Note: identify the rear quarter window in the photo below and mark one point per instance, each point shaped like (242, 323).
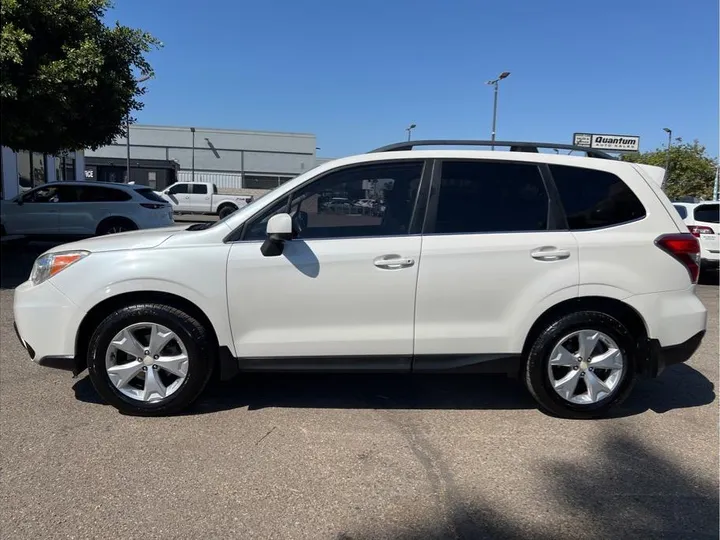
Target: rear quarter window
(709, 213)
(150, 195)
(595, 199)
(681, 210)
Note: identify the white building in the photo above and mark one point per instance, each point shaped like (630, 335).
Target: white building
(25, 170)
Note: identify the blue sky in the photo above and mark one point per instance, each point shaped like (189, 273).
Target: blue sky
(357, 73)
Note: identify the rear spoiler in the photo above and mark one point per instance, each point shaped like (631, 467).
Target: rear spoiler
(657, 174)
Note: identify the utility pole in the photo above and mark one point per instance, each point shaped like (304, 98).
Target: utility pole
(127, 135)
(667, 161)
(192, 129)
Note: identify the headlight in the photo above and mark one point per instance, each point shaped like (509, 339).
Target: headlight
(46, 266)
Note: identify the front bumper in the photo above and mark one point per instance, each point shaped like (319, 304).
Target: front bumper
(661, 357)
(43, 325)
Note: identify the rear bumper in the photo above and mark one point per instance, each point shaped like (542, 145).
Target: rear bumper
(661, 357)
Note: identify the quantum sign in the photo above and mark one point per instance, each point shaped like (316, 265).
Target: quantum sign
(611, 143)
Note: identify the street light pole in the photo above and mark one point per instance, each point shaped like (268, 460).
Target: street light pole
(409, 130)
(503, 75)
(127, 134)
(667, 162)
(192, 129)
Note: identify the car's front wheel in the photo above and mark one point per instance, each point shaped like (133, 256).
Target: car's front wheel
(150, 359)
(581, 365)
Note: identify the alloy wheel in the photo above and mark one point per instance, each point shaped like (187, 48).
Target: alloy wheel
(586, 367)
(147, 362)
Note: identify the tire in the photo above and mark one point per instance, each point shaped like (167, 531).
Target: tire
(135, 395)
(115, 225)
(537, 373)
(225, 210)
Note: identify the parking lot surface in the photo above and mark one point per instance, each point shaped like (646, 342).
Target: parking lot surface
(355, 457)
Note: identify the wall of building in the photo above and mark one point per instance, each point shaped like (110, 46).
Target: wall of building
(229, 158)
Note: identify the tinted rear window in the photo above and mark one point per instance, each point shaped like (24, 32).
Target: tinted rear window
(488, 197)
(150, 195)
(709, 213)
(101, 194)
(682, 211)
(594, 199)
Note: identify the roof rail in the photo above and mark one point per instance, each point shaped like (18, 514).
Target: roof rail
(515, 146)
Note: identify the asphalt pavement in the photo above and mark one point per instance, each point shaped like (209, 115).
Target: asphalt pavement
(355, 457)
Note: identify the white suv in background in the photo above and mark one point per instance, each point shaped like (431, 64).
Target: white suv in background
(81, 209)
(702, 220)
(573, 273)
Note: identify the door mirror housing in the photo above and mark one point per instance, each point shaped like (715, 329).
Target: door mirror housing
(279, 230)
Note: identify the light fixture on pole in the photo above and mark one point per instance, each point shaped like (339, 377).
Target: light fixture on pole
(409, 130)
(667, 162)
(127, 134)
(503, 75)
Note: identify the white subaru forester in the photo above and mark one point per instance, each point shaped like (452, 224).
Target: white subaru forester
(574, 273)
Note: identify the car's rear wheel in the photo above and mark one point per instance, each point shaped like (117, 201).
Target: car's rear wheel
(226, 210)
(150, 359)
(115, 225)
(581, 365)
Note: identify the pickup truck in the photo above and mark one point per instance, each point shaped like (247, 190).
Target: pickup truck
(202, 198)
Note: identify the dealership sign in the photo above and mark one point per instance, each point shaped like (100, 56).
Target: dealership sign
(611, 143)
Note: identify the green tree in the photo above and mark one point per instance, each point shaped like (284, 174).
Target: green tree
(692, 170)
(67, 80)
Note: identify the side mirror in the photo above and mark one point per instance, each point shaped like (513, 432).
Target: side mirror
(279, 230)
(20, 201)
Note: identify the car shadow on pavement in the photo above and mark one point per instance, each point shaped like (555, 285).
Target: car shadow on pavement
(679, 387)
(626, 490)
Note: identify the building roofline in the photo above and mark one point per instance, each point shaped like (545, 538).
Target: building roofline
(223, 130)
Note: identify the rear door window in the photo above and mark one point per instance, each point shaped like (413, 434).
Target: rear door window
(491, 197)
(595, 199)
(709, 213)
(199, 189)
(101, 194)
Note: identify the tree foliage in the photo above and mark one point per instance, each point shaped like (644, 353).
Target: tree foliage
(67, 80)
(692, 170)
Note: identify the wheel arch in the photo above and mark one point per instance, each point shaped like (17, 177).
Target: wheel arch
(225, 204)
(110, 219)
(613, 307)
(93, 317)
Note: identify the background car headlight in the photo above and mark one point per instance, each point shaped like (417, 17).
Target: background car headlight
(46, 266)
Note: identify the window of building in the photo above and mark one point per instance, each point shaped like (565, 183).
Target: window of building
(368, 200)
(260, 182)
(593, 199)
(491, 197)
(199, 189)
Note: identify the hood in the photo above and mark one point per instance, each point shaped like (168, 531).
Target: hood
(143, 239)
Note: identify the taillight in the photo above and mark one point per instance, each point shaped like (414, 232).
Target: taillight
(685, 248)
(153, 206)
(697, 230)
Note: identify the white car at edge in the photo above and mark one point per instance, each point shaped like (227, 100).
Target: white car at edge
(703, 221)
(573, 273)
(81, 209)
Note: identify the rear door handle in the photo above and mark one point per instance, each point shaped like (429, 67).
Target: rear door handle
(550, 253)
(391, 262)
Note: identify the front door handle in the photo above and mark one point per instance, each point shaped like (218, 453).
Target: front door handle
(391, 262)
(550, 253)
